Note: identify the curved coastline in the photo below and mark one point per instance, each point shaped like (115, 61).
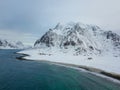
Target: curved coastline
(104, 74)
(22, 57)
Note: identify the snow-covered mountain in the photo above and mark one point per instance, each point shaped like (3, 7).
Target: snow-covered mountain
(8, 44)
(78, 44)
(80, 39)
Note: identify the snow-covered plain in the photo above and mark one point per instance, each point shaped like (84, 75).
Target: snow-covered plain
(106, 62)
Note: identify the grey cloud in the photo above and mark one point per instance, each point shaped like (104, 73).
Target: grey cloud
(36, 16)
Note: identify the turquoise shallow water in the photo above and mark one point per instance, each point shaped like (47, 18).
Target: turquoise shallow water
(35, 75)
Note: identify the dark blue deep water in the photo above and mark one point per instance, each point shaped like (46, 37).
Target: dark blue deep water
(36, 75)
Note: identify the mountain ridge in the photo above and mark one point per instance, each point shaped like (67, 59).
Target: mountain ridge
(8, 44)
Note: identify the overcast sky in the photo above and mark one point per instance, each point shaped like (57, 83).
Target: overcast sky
(27, 20)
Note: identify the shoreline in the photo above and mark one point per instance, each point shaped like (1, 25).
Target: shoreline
(22, 56)
(98, 72)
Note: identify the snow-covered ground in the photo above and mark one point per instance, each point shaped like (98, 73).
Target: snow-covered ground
(106, 62)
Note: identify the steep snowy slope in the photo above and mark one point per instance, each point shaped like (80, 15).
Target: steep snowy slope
(79, 39)
(7, 44)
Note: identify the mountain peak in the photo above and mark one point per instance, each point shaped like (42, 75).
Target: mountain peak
(75, 26)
